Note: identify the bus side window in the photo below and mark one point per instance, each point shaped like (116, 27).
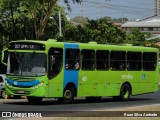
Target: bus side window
(149, 61)
(55, 62)
(88, 59)
(102, 59)
(118, 60)
(72, 59)
(134, 61)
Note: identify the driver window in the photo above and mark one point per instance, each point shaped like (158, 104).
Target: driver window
(54, 62)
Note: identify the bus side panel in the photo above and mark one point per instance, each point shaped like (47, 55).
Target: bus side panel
(143, 82)
(108, 84)
(147, 82)
(87, 83)
(56, 86)
(156, 80)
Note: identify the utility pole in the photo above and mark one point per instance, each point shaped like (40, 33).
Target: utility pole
(98, 7)
(82, 9)
(60, 24)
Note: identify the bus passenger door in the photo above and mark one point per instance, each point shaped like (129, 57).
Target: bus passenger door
(55, 74)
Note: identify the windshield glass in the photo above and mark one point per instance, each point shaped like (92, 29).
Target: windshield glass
(26, 64)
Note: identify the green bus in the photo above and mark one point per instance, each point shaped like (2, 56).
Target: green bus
(51, 69)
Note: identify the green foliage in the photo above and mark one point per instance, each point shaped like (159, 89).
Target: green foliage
(29, 19)
(135, 37)
(38, 19)
(80, 20)
(100, 31)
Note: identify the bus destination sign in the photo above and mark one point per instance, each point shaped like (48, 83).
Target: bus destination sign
(27, 46)
(21, 46)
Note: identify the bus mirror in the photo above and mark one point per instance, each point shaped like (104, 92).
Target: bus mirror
(4, 56)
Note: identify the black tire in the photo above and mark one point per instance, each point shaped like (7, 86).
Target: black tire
(34, 100)
(68, 96)
(125, 92)
(93, 99)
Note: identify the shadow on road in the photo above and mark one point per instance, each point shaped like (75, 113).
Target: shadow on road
(51, 101)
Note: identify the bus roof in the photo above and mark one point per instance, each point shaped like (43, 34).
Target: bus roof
(92, 45)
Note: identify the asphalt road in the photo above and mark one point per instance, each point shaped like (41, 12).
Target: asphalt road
(52, 107)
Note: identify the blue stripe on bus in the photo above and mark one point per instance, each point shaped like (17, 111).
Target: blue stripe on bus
(23, 84)
(70, 75)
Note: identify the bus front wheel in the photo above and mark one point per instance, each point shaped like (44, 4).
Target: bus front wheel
(68, 96)
(34, 100)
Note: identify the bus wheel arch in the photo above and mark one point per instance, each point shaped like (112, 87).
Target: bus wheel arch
(69, 93)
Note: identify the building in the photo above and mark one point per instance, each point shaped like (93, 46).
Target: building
(156, 7)
(151, 24)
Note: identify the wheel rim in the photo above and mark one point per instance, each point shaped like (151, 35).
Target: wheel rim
(126, 93)
(67, 94)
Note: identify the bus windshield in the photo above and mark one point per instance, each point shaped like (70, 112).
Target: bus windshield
(26, 64)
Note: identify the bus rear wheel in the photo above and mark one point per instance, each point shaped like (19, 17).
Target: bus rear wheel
(125, 93)
(34, 100)
(68, 96)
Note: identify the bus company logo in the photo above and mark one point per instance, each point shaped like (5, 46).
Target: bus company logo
(128, 76)
(84, 78)
(6, 114)
(143, 76)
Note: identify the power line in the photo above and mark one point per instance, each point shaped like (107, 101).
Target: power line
(100, 7)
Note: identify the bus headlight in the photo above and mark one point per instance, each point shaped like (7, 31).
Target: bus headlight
(39, 85)
(8, 85)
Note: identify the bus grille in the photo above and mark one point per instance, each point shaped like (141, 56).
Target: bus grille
(20, 92)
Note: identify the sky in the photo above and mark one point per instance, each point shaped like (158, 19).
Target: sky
(93, 9)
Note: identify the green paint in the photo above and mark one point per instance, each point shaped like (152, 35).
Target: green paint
(91, 83)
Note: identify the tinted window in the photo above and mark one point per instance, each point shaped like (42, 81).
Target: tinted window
(55, 61)
(149, 61)
(72, 59)
(118, 60)
(88, 58)
(102, 59)
(134, 61)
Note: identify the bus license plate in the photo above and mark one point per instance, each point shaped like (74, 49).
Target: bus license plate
(20, 91)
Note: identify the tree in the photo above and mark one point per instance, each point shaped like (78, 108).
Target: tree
(80, 20)
(36, 13)
(40, 13)
(136, 37)
(100, 31)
